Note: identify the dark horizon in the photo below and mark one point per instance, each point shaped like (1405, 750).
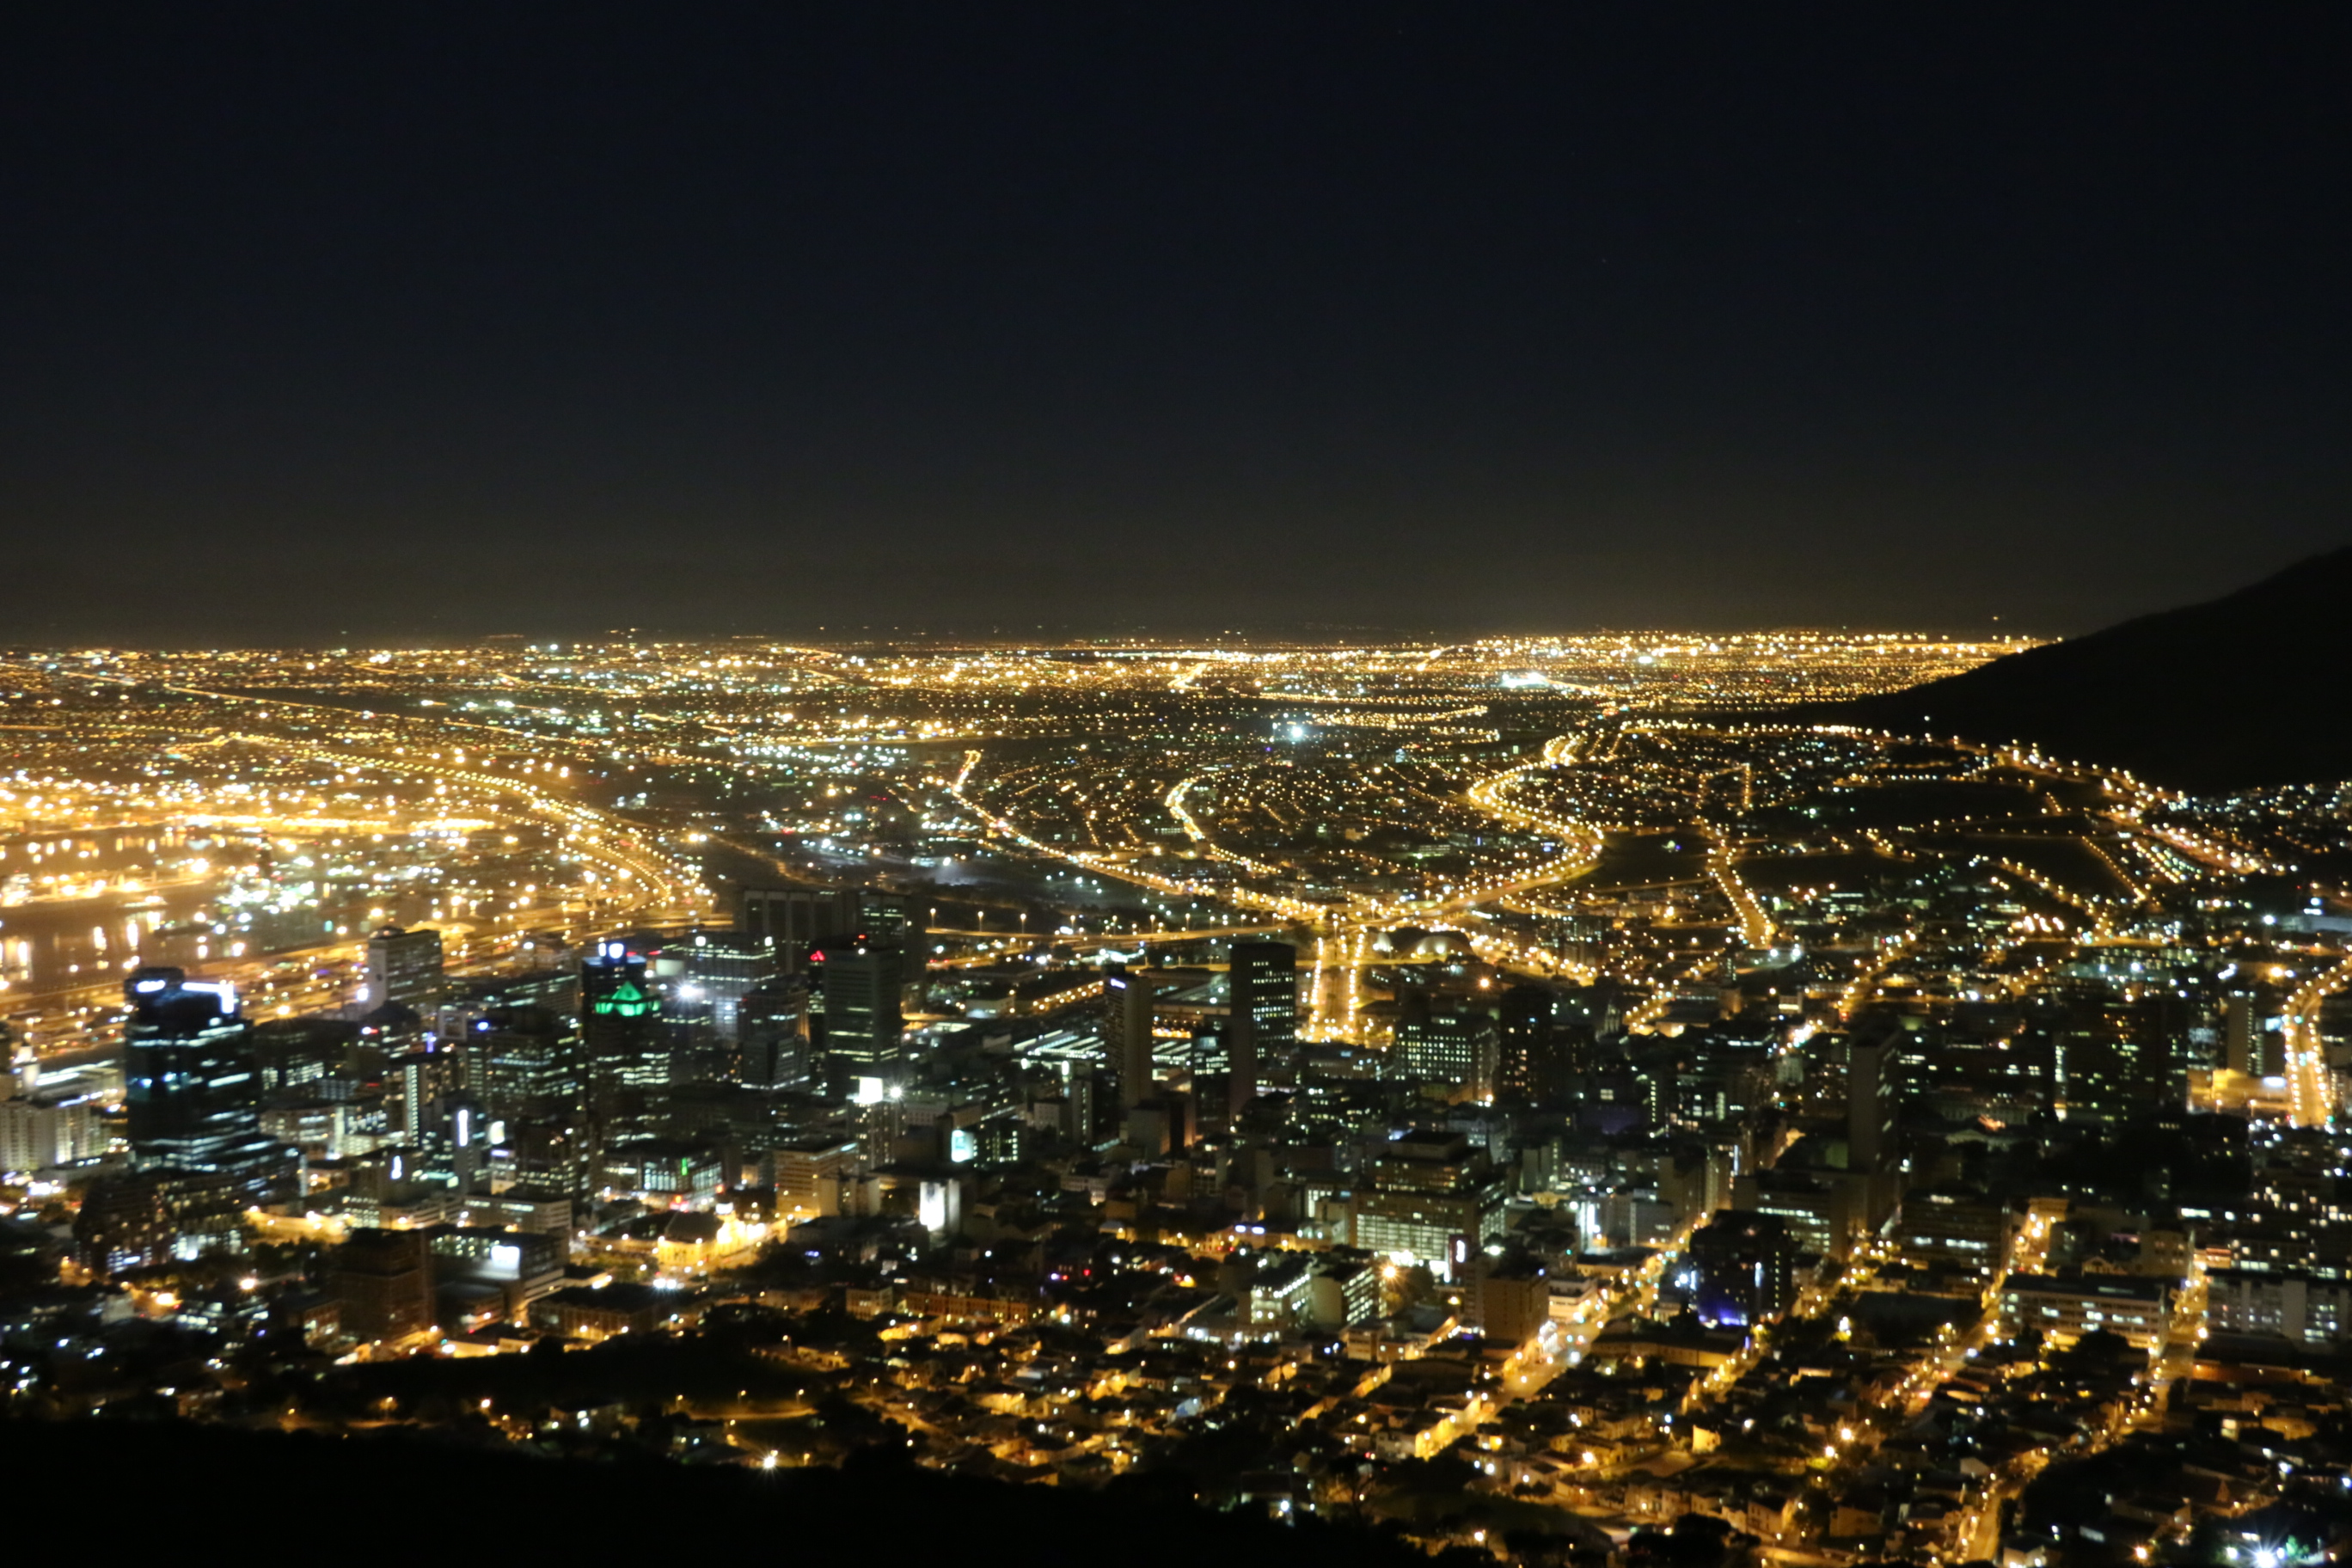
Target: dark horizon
(331, 327)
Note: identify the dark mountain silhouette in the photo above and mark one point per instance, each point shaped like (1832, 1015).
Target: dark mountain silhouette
(2247, 689)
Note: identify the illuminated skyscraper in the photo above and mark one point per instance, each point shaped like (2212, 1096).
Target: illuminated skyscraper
(772, 1035)
(1873, 1082)
(796, 921)
(525, 1062)
(713, 970)
(859, 984)
(620, 1020)
(1433, 1199)
(404, 966)
(1742, 1269)
(1126, 1035)
(193, 1097)
(1454, 1046)
(896, 917)
(1529, 1067)
(1873, 1103)
(1263, 1028)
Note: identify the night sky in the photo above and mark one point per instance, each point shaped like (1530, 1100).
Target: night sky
(331, 322)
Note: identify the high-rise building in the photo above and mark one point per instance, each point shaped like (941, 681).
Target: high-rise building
(1126, 1034)
(193, 1097)
(1529, 1065)
(1742, 1269)
(772, 1035)
(620, 1020)
(710, 972)
(898, 919)
(796, 921)
(1434, 1200)
(1874, 1100)
(404, 966)
(24, 1069)
(1873, 1112)
(2252, 1039)
(139, 1219)
(39, 1130)
(1263, 1026)
(858, 983)
(1454, 1046)
(525, 1062)
(383, 1280)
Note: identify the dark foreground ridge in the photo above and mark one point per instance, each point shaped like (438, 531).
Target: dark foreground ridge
(2234, 693)
(182, 1472)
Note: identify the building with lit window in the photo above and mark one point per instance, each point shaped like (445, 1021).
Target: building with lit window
(1742, 1269)
(772, 1034)
(711, 972)
(2140, 1310)
(1262, 1026)
(385, 1280)
(404, 966)
(1434, 1200)
(38, 1130)
(1126, 1035)
(1529, 1065)
(858, 985)
(525, 1062)
(579, 1312)
(796, 921)
(2298, 1305)
(620, 1020)
(1956, 1226)
(1457, 1047)
(193, 1098)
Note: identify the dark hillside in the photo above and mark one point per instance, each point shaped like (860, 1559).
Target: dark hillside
(2254, 687)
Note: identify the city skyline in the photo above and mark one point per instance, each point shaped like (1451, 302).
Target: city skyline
(1341, 781)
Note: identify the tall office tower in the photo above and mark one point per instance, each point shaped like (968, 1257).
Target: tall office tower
(2238, 1032)
(796, 921)
(1742, 1268)
(193, 1096)
(1872, 1100)
(524, 1061)
(1126, 1034)
(1454, 1047)
(422, 1079)
(772, 1035)
(404, 966)
(384, 1279)
(896, 917)
(1873, 1112)
(2254, 1040)
(1529, 1065)
(858, 982)
(1263, 1005)
(709, 973)
(1082, 1089)
(620, 1021)
(1434, 1198)
(1208, 1061)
